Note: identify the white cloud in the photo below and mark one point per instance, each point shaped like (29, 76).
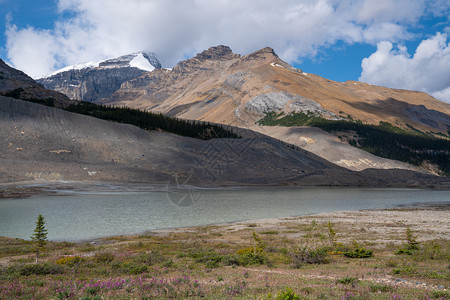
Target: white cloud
(174, 29)
(428, 70)
(33, 49)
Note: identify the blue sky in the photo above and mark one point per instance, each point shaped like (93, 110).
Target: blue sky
(394, 43)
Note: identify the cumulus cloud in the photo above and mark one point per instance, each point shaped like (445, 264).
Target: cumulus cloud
(96, 29)
(428, 70)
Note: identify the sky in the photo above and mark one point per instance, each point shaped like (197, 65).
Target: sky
(393, 43)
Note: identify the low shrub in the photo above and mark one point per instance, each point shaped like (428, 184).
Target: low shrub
(306, 255)
(251, 256)
(374, 288)
(69, 261)
(408, 269)
(210, 259)
(347, 280)
(150, 258)
(270, 232)
(411, 246)
(129, 268)
(440, 294)
(232, 260)
(287, 294)
(40, 269)
(359, 253)
(103, 257)
(135, 269)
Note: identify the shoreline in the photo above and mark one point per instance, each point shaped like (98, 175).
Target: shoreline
(24, 189)
(364, 216)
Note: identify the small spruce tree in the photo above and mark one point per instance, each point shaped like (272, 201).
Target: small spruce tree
(40, 236)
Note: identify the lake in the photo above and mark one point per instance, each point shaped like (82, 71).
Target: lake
(81, 215)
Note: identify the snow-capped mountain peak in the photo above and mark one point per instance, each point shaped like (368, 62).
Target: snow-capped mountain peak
(97, 80)
(143, 60)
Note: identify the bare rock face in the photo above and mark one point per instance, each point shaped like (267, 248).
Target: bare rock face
(94, 81)
(17, 84)
(217, 53)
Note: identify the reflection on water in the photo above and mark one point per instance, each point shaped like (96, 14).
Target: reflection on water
(75, 216)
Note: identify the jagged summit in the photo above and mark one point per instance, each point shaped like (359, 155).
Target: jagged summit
(266, 50)
(220, 52)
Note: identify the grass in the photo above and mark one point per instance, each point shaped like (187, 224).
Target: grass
(238, 264)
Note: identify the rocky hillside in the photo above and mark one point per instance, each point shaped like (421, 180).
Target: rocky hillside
(220, 86)
(16, 84)
(97, 80)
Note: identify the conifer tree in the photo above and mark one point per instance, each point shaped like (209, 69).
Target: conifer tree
(40, 236)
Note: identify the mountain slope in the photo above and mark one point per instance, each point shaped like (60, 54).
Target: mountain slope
(52, 144)
(96, 80)
(49, 144)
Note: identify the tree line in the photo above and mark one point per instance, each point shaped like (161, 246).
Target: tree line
(384, 140)
(153, 121)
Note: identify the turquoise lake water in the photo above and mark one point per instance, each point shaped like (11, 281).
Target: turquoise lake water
(74, 215)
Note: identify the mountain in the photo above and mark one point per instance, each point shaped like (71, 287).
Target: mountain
(16, 84)
(220, 86)
(96, 80)
(49, 144)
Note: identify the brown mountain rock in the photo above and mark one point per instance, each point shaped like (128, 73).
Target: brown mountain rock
(220, 86)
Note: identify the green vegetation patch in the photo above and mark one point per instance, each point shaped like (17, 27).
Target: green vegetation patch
(142, 119)
(384, 140)
(152, 121)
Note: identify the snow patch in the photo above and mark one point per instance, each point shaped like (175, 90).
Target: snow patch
(276, 65)
(306, 74)
(73, 67)
(140, 62)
